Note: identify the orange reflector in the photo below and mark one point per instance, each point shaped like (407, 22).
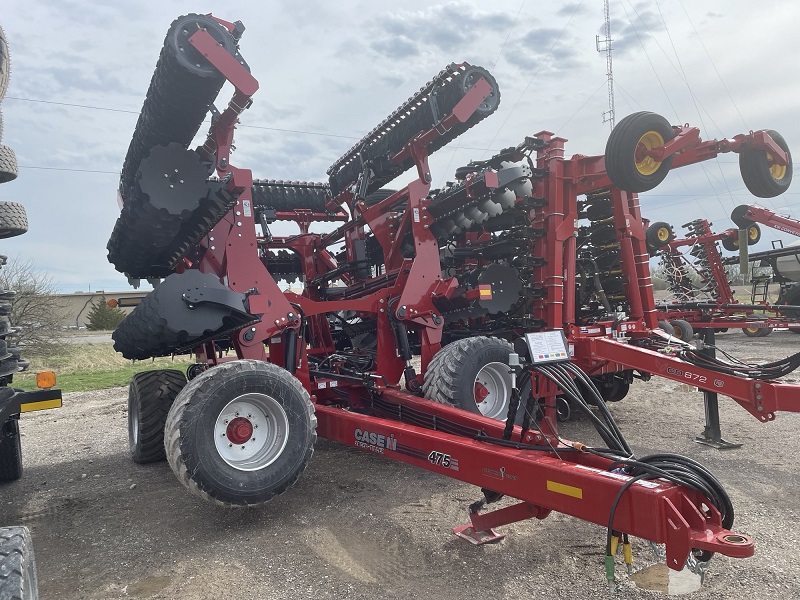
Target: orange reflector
(112, 303)
(485, 292)
(46, 380)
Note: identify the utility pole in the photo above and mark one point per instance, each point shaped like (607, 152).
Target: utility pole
(608, 116)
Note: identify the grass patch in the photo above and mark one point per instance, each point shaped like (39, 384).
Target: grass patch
(84, 367)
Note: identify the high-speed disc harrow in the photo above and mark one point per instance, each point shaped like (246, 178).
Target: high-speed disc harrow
(476, 278)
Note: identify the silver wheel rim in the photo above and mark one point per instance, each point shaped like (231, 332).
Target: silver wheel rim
(133, 423)
(496, 380)
(269, 428)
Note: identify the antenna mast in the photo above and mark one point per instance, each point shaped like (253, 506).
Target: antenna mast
(608, 116)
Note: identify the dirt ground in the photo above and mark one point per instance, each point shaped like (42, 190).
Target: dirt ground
(358, 526)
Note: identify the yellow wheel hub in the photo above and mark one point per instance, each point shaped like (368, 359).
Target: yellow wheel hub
(647, 165)
(752, 233)
(777, 171)
(663, 234)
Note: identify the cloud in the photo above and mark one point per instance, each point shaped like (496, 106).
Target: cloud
(449, 28)
(631, 34)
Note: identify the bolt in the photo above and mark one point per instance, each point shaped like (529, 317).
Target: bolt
(230, 445)
(252, 439)
(226, 421)
(255, 426)
(249, 416)
(222, 434)
(237, 414)
(242, 447)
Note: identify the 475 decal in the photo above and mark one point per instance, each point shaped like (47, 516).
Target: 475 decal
(444, 460)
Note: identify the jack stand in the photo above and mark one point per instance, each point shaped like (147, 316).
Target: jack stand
(480, 530)
(712, 434)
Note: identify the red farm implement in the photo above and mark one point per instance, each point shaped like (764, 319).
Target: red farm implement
(489, 281)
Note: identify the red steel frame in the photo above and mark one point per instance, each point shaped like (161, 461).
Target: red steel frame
(575, 483)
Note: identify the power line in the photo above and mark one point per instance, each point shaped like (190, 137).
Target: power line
(66, 169)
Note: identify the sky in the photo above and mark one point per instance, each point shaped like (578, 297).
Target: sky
(330, 71)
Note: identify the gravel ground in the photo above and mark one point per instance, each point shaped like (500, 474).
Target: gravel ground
(363, 527)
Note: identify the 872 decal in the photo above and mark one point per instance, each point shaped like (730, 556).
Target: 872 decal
(444, 460)
(693, 377)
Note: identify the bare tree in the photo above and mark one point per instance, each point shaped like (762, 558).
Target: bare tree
(36, 313)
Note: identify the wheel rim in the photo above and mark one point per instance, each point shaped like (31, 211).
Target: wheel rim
(133, 423)
(752, 233)
(663, 234)
(251, 432)
(777, 171)
(647, 165)
(492, 390)
(751, 329)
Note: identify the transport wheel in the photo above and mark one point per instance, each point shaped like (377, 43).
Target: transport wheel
(18, 579)
(760, 174)
(753, 234)
(8, 164)
(667, 328)
(757, 332)
(627, 163)
(150, 396)
(791, 296)
(730, 243)
(472, 374)
(683, 330)
(10, 451)
(658, 235)
(13, 219)
(194, 370)
(240, 433)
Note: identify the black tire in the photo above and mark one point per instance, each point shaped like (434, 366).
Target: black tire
(760, 177)
(683, 330)
(453, 374)
(10, 451)
(18, 578)
(730, 244)
(753, 234)
(8, 164)
(197, 458)
(791, 296)
(756, 332)
(651, 131)
(13, 219)
(667, 328)
(658, 235)
(150, 396)
(5, 64)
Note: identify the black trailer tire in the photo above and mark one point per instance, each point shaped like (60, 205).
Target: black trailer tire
(240, 433)
(13, 219)
(667, 328)
(756, 332)
(765, 180)
(658, 235)
(454, 375)
(683, 330)
(641, 130)
(730, 244)
(18, 578)
(150, 396)
(10, 451)
(8, 164)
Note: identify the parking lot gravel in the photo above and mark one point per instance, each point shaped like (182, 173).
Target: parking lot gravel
(363, 527)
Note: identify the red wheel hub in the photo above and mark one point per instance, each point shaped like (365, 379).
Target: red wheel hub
(481, 392)
(239, 430)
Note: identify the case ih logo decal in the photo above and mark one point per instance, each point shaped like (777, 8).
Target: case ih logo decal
(375, 442)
